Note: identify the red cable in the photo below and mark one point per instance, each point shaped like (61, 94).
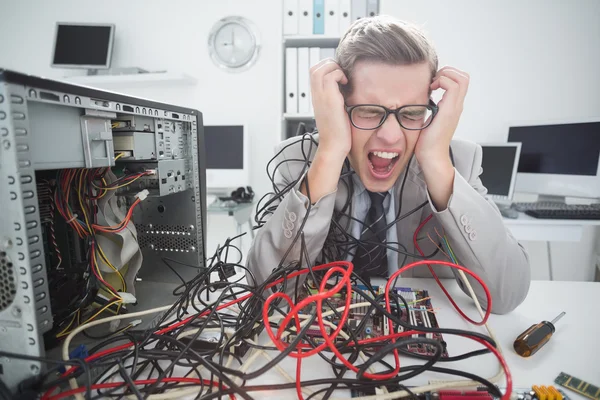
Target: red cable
(448, 264)
(456, 307)
(112, 385)
(508, 392)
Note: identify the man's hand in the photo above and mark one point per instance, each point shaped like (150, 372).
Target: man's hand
(330, 114)
(433, 146)
(434, 141)
(335, 139)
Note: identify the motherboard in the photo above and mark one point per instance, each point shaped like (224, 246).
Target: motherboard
(365, 322)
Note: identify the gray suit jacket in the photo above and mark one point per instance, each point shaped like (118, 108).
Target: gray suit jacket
(471, 222)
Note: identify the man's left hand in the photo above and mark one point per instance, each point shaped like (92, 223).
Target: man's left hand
(434, 141)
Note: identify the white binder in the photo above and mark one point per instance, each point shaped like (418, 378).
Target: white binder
(359, 9)
(303, 81)
(305, 16)
(291, 80)
(290, 17)
(327, 52)
(372, 8)
(332, 23)
(345, 16)
(314, 56)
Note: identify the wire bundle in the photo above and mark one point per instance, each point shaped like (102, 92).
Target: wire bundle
(208, 349)
(75, 197)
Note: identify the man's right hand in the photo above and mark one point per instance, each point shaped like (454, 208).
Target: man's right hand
(330, 114)
(335, 138)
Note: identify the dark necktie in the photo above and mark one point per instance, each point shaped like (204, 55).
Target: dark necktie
(370, 258)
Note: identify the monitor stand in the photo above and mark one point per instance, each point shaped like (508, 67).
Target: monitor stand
(542, 198)
(117, 71)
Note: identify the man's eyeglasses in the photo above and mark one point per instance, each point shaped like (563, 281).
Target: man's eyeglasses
(410, 117)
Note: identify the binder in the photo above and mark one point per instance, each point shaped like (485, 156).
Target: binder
(327, 52)
(332, 23)
(305, 16)
(303, 81)
(314, 56)
(319, 20)
(291, 80)
(372, 8)
(344, 16)
(290, 17)
(359, 9)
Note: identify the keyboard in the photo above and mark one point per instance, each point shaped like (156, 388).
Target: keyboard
(547, 205)
(565, 213)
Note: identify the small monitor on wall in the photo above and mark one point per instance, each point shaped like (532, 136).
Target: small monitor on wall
(227, 163)
(83, 45)
(499, 164)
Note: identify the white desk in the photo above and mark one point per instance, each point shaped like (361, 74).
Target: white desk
(547, 230)
(574, 348)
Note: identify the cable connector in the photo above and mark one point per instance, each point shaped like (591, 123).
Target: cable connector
(127, 298)
(135, 322)
(143, 194)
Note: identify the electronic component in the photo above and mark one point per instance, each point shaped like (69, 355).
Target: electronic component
(79, 218)
(577, 385)
(374, 324)
(530, 341)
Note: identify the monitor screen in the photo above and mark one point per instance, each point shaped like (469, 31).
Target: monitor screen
(565, 149)
(498, 166)
(83, 45)
(224, 146)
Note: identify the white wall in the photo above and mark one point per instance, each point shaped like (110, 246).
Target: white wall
(534, 60)
(528, 60)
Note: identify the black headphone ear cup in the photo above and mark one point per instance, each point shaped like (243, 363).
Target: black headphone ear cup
(238, 194)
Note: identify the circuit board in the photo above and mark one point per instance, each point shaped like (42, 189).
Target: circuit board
(578, 386)
(367, 325)
(536, 392)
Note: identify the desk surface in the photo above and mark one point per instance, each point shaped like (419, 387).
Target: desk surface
(574, 348)
(525, 219)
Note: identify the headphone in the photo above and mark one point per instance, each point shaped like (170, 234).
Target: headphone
(240, 195)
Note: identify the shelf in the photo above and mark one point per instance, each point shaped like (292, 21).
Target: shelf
(311, 41)
(131, 80)
(298, 117)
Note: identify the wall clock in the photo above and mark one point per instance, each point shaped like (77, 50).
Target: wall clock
(234, 44)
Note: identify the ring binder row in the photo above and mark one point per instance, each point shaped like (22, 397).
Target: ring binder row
(324, 17)
(298, 61)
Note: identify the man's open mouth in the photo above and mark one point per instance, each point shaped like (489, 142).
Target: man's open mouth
(382, 162)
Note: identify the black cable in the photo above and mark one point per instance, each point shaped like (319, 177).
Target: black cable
(5, 393)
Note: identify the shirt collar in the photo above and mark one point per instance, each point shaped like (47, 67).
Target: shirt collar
(359, 188)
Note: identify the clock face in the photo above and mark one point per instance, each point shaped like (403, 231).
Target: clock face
(233, 44)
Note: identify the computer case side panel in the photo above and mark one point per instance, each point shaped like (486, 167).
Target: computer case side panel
(24, 301)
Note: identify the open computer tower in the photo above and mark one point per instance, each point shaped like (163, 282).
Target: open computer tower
(53, 132)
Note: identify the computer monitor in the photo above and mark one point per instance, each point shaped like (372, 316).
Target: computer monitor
(559, 159)
(78, 45)
(227, 163)
(499, 164)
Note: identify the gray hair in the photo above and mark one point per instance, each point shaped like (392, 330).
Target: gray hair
(384, 39)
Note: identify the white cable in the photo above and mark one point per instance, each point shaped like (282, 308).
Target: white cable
(65, 348)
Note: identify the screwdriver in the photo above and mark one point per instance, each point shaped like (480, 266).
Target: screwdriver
(530, 341)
